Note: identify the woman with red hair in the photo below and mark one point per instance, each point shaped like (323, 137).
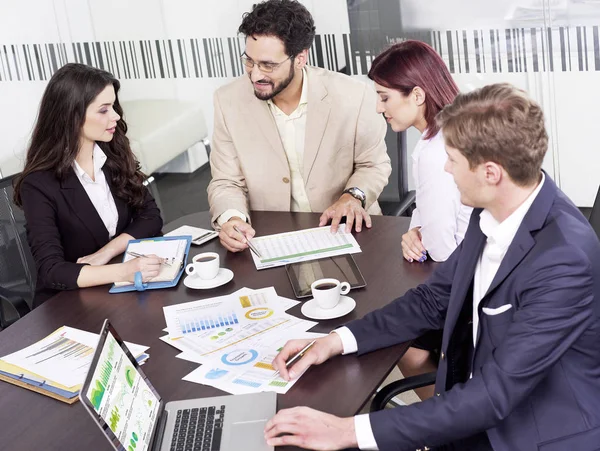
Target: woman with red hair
(414, 85)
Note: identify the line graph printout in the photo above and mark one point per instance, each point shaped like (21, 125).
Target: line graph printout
(303, 245)
(63, 357)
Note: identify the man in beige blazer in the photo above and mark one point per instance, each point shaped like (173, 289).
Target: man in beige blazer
(290, 137)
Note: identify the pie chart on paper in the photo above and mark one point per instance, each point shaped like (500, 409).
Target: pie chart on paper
(239, 357)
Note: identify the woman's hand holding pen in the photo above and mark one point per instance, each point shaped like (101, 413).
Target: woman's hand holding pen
(149, 266)
(232, 239)
(323, 349)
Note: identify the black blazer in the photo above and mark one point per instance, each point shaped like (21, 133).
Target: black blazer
(63, 225)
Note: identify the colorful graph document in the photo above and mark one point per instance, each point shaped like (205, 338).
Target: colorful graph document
(62, 358)
(235, 338)
(303, 245)
(210, 325)
(247, 368)
(243, 307)
(205, 344)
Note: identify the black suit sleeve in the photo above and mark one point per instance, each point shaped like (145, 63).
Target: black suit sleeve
(39, 206)
(146, 221)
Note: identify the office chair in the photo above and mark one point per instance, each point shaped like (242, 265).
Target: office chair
(406, 199)
(595, 214)
(387, 393)
(17, 284)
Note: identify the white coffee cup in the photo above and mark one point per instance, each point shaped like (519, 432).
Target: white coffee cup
(205, 265)
(327, 292)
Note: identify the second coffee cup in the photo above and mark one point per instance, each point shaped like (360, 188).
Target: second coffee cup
(205, 265)
(327, 292)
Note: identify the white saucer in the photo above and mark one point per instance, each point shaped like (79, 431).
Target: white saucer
(310, 309)
(223, 276)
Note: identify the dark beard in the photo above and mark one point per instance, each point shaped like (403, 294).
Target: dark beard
(278, 88)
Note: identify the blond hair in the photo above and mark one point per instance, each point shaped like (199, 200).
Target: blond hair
(498, 123)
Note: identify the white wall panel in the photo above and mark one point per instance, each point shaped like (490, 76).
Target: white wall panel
(27, 21)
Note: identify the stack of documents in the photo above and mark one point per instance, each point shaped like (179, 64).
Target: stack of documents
(303, 245)
(56, 366)
(235, 338)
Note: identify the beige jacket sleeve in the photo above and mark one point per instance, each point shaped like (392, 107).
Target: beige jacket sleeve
(372, 166)
(227, 190)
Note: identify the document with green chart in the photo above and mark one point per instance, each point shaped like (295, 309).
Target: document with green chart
(303, 245)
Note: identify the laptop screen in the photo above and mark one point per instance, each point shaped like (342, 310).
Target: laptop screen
(122, 398)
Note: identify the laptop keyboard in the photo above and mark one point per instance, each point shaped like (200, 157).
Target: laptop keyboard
(198, 429)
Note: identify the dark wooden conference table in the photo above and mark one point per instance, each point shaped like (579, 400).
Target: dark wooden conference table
(340, 386)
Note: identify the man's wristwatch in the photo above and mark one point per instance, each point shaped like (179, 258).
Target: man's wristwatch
(357, 193)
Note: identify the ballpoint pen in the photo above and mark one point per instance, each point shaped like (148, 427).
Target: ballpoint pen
(137, 255)
(296, 357)
(250, 245)
(204, 235)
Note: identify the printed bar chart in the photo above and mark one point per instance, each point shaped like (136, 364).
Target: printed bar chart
(192, 323)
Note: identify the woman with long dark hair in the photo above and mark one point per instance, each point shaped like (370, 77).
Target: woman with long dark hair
(82, 188)
(414, 85)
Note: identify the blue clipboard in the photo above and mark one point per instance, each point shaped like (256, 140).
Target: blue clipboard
(138, 285)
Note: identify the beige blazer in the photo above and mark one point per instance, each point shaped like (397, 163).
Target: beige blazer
(344, 147)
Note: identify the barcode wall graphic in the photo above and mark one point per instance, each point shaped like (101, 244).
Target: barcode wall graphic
(562, 49)
(464, 51)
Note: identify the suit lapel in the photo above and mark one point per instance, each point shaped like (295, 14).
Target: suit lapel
(472, 247)
(258, 112)
(523, 240)
(82, 207)
(317, 115)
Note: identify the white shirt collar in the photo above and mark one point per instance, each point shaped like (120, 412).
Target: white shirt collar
(502, 233)
(99, 158)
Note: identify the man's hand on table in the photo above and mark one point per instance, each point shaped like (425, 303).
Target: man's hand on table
(350, 207)
(310, 429)
(231, 239)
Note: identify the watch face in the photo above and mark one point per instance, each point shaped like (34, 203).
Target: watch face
(357, 192)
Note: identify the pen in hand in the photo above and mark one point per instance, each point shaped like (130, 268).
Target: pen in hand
(250, 245)
(296, 357)
(138, 255)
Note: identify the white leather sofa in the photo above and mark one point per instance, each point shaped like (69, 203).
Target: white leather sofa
(160, 130)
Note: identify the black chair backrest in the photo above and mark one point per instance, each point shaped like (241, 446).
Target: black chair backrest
(402, 166)
(17, 268)
(595, 214)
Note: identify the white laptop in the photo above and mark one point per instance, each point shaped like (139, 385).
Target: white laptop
(133, 416)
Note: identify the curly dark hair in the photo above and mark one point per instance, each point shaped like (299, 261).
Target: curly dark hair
(287, 20)
(55, 140)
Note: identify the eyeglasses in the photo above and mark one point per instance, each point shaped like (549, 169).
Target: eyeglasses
(263, 67)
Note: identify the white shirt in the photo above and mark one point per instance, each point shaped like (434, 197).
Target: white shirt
(500, 235)
(292, 131)
(99, 192)
(442, 219)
